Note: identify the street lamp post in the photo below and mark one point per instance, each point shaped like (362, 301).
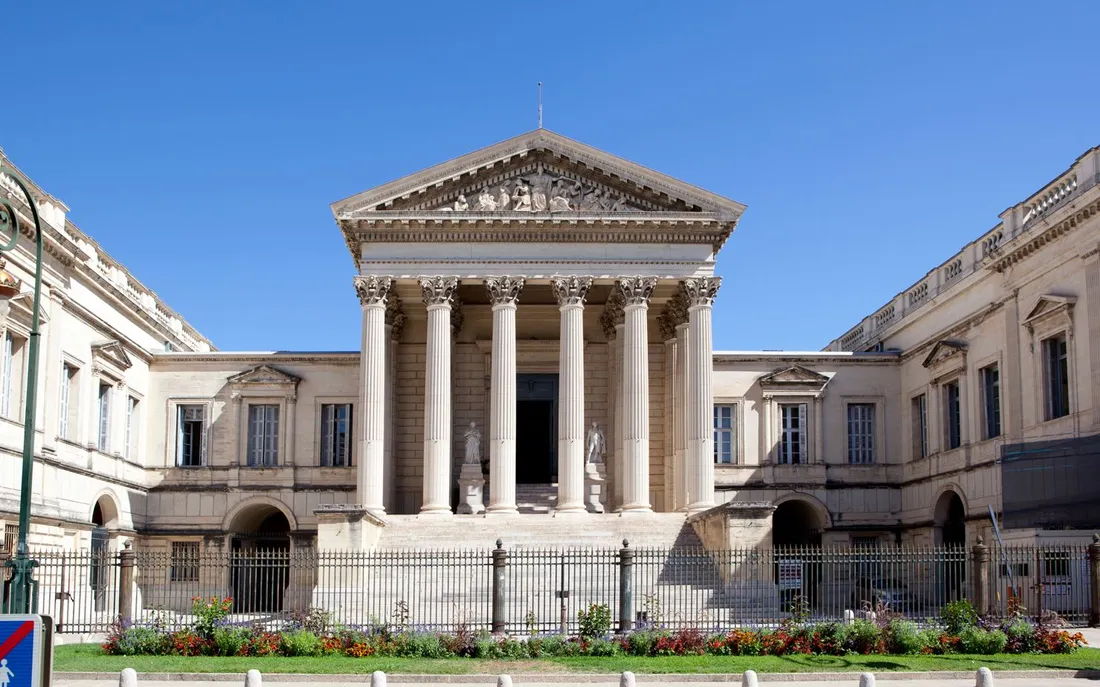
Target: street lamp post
(23, 596)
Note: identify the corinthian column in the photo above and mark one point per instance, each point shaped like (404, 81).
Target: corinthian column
(700, 293)
(636, 292)
(503, 292)
(372, 292)
(438, 293)
(571, 292)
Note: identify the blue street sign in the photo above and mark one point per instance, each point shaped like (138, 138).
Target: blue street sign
(21, 650)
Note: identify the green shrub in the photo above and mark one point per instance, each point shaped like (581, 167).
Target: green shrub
(423, 645)
(209, 613)
(864, 637)
(228, 641)
(832, 638)
(602, 647)
(594, 622)
(974, 640)
(905, 637)
(641, 643)
(548, 646)
(300, 643)
(958, 615)
(136, 641)
(1021, 636)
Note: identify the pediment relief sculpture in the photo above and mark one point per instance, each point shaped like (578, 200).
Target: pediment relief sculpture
(795, 377)
(944, 351)
(264, 374)
(543, 190)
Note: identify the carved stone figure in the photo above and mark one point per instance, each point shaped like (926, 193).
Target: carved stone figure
(538, 199)
(503, 199)
(596, 446)
(473, 445)
(461, 205)
(521, 198)
(486, 202)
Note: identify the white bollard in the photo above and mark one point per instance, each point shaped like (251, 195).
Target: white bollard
(127, 678)
(749, 679)
(378, 679)
(252, 679)
(867, 680)
(626, 679)
(504, 681)
(985, 678)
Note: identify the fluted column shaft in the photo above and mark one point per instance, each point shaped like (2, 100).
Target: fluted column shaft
(700, 293)
(570, 292)
(438, 292)
(370, 472)
(683, 355)
(636, 291)
(503, 292)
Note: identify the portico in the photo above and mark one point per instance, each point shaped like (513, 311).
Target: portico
(571, 270)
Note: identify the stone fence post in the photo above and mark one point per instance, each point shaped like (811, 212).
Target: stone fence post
(126, 582)
(1094, 581)
(979, 577)
(500, 564)
(626, 588)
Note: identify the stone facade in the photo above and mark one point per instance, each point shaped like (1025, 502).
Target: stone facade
(537, 288)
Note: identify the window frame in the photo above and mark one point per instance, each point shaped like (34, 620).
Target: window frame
(103, 414)
(322, 434)
(959, 436)
(992, 409)
(1052, 406)
(173, 439)
(734, 430)
(918, 425)
(270, 444)
(782, 433)
(68, 400)
(868, 453)
(13, 372)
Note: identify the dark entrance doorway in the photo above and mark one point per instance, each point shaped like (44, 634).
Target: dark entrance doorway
(536, 428)
(950, 521)
(261, 563)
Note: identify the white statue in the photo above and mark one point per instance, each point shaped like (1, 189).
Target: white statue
(521, 199)
(473, 445)
(538, 199)
(486, 202)
(504, 198)
(461, 205)
(595, 446)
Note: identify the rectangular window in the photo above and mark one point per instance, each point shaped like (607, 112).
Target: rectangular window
(335, 434)
(104, 411)
(991, 401)
(190, 436)
(861, 433)
(263, 436)
(68, 372)
(11, 538)
(725, 434)
(920, 426)
(952, 415)
(1056, 363)
(132, 426)
(10, 375)
(792, 437)
(185, 561)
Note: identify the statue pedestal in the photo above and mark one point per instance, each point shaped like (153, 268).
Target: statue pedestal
(595, 486)
(471, 488)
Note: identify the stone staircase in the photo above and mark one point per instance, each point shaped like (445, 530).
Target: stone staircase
(536, 498)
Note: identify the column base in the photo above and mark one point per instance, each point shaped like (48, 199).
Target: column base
(636, 509)
(501, 510)
(571, 511)
(435, 512)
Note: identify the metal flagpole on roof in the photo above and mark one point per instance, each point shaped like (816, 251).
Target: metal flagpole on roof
(540, 104)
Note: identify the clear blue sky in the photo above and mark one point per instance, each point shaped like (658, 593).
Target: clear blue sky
(201, 143)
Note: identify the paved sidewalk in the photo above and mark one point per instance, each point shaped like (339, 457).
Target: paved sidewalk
(832, 680)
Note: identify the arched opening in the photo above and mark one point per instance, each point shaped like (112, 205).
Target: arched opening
(104, 516)
(796, 536)
(950, 532)
(260, 537)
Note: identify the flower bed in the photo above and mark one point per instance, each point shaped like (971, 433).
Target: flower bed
(958, 631)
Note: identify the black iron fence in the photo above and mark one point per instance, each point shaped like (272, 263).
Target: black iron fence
(524, 590)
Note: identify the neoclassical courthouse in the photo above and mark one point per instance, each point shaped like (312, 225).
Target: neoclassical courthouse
(537, 358)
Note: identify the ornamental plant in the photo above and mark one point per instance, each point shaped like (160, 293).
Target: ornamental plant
(209, 613)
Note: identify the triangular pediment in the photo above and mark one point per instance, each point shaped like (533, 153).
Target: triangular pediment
(539, 172)
(943, 350)
(264, 374)
(112, 352)
(1048, 304)
(794, 376)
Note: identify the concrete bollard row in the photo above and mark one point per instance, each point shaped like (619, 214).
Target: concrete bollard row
(253, 679)
(867, 680)
(626, 679)
(504, 681)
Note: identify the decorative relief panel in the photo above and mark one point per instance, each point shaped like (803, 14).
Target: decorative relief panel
(542, 190)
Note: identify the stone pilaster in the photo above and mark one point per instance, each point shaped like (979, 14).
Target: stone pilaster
(700, 293)
(683, 358)
(370, 472)
(503, 293)
(438, 293)
(571, 292)
(636, 292)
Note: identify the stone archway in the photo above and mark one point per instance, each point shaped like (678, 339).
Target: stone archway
(259, 556)
(949, 519)
(797, 522)
(797, 525)
(104, 518)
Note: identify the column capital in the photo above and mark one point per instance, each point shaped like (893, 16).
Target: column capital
(637, 290)
(372, 290)
(701, 290)
(571, 290)
(504, 290)
(438, 290)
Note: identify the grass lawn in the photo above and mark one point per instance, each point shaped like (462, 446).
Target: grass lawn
(90, 658)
